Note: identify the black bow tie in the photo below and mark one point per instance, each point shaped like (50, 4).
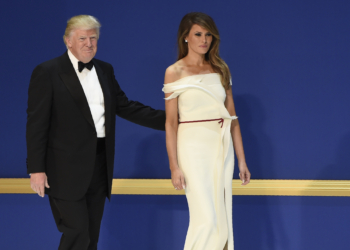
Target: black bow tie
(82, 65)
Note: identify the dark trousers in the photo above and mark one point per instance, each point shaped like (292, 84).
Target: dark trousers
(79, 221)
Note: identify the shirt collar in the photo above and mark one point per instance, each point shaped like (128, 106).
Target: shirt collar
(73, 59)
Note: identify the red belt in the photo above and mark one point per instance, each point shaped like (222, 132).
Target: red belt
(221, 120)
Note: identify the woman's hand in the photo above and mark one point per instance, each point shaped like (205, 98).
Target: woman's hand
(178, 179)
(244, 173)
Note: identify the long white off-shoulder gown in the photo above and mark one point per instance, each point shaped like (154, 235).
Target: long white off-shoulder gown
(206, 157)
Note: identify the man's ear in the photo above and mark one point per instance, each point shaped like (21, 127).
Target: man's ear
(68, 42)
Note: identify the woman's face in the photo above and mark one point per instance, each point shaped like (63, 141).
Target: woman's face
(199, 39)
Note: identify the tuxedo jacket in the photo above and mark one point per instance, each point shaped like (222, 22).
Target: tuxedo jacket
(61, 135)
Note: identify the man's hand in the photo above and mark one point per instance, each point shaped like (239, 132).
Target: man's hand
(38, 182)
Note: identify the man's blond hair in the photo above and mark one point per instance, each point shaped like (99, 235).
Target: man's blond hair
(83, 22)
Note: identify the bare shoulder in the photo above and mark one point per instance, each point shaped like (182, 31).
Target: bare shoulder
(173, 73)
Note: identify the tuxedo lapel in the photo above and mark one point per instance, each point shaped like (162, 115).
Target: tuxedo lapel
(71, 80)
(106, 94)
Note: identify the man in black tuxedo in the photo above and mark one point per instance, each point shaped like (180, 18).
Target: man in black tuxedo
(72, 103)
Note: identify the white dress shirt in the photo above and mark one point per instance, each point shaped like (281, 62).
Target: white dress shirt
(93, 92)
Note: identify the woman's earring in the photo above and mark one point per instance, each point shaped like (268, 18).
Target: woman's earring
(185, 41)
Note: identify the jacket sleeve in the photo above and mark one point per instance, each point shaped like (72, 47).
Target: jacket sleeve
(38, 119)
(136, 112)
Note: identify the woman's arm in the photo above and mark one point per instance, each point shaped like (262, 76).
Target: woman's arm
(171, 126)
(244, 173)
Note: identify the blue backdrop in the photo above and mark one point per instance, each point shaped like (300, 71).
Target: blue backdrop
(290, 65)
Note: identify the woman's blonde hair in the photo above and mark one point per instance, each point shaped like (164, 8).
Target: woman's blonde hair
(212, 56)
(84, 22)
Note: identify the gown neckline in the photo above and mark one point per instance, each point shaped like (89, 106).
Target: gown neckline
(190, 76)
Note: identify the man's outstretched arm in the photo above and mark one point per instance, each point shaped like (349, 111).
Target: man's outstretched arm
(138, 113)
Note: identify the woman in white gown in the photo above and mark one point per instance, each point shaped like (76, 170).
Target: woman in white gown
(202, 132)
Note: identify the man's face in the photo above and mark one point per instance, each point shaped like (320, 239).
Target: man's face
(83, 44)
